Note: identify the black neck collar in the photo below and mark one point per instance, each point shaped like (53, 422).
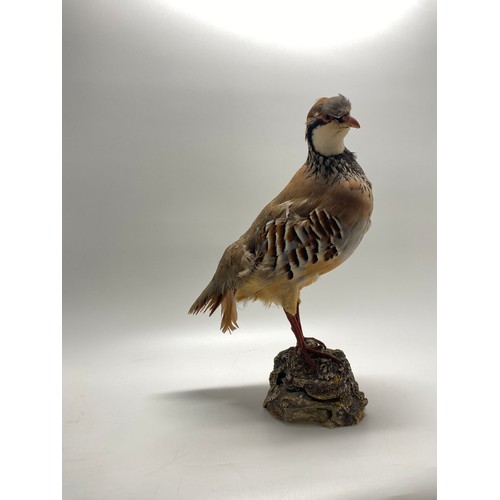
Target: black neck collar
(335, 167)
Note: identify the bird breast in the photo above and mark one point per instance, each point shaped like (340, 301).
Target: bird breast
(309, 229)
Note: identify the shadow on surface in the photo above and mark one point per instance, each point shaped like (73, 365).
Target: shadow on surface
(392, 404)
(246, 397)
(237, 404)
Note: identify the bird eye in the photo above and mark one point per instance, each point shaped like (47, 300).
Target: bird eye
(327, 118)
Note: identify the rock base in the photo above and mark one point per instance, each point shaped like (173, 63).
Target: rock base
(329, 396)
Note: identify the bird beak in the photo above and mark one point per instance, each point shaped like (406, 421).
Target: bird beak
(352, 122)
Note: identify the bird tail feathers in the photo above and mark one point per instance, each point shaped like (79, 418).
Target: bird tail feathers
(210, 299)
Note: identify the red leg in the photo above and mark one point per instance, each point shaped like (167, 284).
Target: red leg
(302, 344)
(320, 344)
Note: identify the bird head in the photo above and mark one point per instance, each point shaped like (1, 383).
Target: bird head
(328, 122)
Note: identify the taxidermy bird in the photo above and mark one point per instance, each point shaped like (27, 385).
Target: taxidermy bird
(309, 229)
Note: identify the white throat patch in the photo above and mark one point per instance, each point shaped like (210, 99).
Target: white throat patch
(328, 139)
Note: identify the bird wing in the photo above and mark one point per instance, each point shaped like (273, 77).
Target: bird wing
(292, 242)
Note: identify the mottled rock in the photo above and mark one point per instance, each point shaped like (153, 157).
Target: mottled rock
(329, 395)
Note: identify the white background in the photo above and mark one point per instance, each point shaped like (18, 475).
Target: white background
(175, 135)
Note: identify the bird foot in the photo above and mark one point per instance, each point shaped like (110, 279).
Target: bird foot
(312, 340)
(310, 352)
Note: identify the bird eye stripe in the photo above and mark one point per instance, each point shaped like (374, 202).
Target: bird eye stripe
(327, 117)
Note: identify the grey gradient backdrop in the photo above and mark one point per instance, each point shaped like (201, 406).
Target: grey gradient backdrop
(175, 136)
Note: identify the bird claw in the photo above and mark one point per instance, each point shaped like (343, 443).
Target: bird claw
(318, 343)
(310, 352)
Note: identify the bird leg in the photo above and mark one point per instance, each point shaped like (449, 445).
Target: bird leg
(302, 343)
(318, 342)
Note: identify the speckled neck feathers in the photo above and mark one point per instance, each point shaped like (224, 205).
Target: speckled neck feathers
(334, 168)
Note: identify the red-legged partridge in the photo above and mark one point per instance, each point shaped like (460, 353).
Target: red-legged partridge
(310, 228)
